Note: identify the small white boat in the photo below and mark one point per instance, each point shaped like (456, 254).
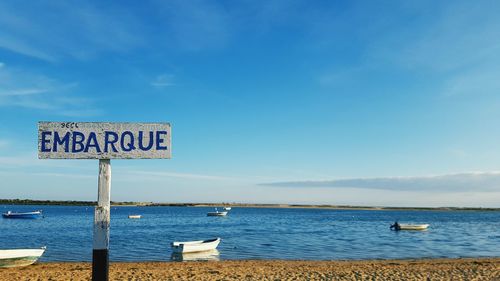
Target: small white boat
(403, 226)
(227, 208)
(413, 226)
(210, 255)
(217, 213)
(195, 246)
(20, 257)
(134, 216)
(26, 215)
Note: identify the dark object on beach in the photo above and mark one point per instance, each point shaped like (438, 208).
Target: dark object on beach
(395, 226)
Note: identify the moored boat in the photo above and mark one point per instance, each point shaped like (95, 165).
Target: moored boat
(134, 216)
(26, 215)
(402, 226)
(195, 246)
(227, 208)
(413, 226)
(20, 257)
(216, 214)
(210, 255)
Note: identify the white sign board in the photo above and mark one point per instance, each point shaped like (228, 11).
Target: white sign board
(103, 140)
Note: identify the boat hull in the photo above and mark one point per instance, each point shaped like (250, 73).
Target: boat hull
(17, 258)
(413, 226)
(30, 215)
(18, 262)
(210, 255)
(195, 246)
(216, 214)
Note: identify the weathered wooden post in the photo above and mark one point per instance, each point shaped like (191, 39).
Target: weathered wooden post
(100, 253)
(103, 141)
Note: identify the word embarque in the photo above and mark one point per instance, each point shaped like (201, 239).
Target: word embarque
(104, 142)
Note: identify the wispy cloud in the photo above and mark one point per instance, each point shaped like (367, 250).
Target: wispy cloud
(15, 82)
(90, 30)
(454, 44)
(81, 112)
(476, 81)
(23, 92)
(87, 29)
(188, 176)
(163, 80)
(459, 43)
(464, 36)
(462, 182)
(28, 161)
(22, 88)
(65, 175)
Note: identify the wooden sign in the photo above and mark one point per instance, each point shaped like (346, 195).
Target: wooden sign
(103, 140)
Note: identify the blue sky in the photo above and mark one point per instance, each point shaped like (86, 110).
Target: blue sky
(331, 102)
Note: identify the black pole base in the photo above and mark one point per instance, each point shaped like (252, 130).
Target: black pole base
(100, 265)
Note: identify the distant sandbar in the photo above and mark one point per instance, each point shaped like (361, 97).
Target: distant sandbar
(245, 205)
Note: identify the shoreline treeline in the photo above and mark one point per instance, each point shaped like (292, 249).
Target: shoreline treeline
(248, 205)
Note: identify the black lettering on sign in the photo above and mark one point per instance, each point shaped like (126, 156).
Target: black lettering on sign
(69, 125)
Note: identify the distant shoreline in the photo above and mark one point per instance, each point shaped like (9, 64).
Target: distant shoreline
(245, 205)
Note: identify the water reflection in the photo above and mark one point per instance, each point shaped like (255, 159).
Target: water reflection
(212, 255)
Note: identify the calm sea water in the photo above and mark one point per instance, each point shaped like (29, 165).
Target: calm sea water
(256, 233)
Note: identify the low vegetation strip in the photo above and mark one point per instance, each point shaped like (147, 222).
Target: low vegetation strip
(246, 205)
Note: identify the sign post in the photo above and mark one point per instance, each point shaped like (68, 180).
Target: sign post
(100, 253)
(103, 141)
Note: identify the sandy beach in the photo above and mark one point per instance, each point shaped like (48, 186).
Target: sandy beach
(431, 269)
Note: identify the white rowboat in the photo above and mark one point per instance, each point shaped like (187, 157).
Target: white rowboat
(227, 208)
(210, 255)
(413, 226)
(27, 215)
(195, 246)
(134, 216)
(20, 257)
(216, 214)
